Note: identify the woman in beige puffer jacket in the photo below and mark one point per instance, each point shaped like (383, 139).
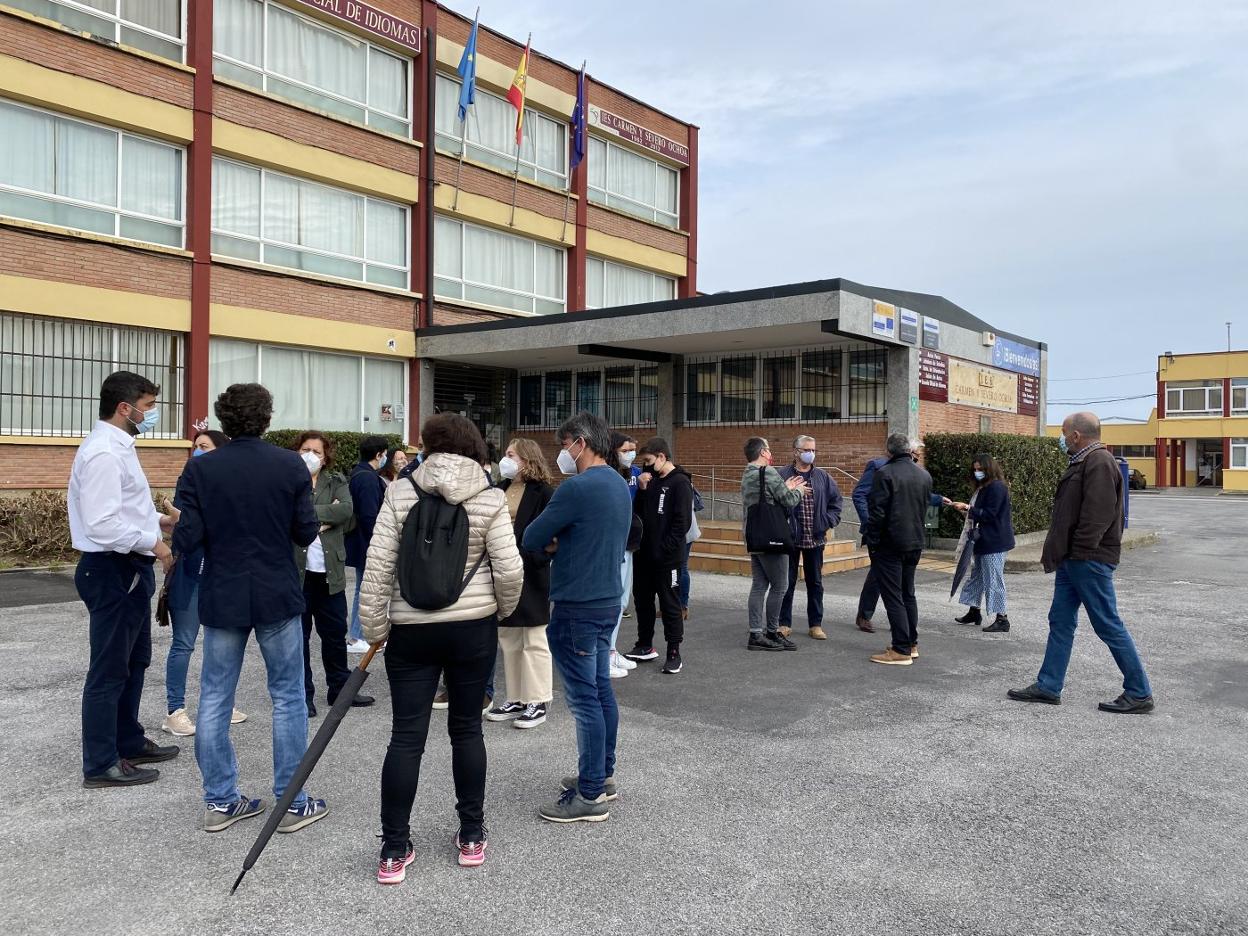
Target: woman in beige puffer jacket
(459, 641)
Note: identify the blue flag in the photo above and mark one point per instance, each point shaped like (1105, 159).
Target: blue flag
(578, 121)
(468, 72)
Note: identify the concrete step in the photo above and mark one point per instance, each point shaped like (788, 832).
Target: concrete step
(723, 547)
(740, 564)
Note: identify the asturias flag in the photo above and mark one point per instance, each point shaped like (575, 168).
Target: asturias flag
(468, 72)
(518, 89)
(578, 121)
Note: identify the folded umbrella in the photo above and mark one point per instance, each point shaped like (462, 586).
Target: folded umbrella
(966, 549)
(313, 754)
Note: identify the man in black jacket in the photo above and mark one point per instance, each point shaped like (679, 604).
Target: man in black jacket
(245, 507)
(367, 492)
(896, 508)
(665, 504)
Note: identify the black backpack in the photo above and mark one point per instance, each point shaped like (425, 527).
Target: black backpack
(433, 550)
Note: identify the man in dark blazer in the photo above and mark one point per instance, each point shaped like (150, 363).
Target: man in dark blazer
(367, 492)
(245, 510)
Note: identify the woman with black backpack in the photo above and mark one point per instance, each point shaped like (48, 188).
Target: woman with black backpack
(442, 569)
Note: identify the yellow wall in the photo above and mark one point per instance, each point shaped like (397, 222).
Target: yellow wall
(498, 75)
(1235, 480)
(1203, 366)
(1144, 433)
(93, 304)
(280, 328)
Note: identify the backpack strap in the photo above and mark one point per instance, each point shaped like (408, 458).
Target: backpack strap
(473, 571)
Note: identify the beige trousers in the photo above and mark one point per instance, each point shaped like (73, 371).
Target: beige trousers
(526, 664)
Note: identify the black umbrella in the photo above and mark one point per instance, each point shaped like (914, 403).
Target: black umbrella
(333, 718)
(964, 558)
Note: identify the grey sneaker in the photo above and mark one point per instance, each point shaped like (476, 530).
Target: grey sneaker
(609, 789)
(572, 807)
(299, 816)
(223, 815)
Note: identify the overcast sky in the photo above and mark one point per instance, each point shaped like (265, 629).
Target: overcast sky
(1076, 173)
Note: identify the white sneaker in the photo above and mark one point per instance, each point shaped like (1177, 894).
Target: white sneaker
(357, 646)
(622, 662)
(237, 717)
(178, 723)
(618, 672)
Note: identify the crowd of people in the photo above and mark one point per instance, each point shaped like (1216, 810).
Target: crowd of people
(458, 553)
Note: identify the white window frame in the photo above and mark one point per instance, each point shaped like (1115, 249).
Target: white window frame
(365, 263)
(652, 213)
(601, 373)
(655, 278)
(533, 297)
(119, 22)
(116, 210)
(266, 73)
(1239, 448)
(449, 143)
(1182, 387)
(1239, 391)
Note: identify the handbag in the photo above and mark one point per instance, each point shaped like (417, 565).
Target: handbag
(767, 523)
(162, 601)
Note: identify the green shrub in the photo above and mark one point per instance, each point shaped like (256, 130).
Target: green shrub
(346, 445)
(1032, 464)
(34, 529)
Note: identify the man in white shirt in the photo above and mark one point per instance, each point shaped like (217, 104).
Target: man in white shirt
(114, 524)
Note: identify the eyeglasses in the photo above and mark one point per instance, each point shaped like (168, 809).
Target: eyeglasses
(812, 451)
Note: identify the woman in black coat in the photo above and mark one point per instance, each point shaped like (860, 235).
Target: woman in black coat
(988, 515)
(522, 636)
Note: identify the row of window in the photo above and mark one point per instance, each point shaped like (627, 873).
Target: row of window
(1134, 451)
(1204, 397)
(623, 395)
(285, 53)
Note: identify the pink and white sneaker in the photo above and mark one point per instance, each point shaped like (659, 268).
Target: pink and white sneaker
(394, 870)
(471, 854)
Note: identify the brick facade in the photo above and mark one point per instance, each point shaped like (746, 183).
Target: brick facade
(847, 446)
(634, 229)
(64, 258)
(951, 417)
(498, 186)
(462, 315)
(261, 289)
(46, 467)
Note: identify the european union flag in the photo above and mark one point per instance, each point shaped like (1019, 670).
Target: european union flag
(578, 121)
(468, 72)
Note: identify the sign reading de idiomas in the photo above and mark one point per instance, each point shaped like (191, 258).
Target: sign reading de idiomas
(373, 20)
(622, 127)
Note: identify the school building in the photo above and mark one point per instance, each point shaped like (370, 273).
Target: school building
(281, 190)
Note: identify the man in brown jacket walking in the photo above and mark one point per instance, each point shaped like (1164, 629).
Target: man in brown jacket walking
(1083, 546)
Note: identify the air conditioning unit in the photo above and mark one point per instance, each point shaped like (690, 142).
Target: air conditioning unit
(989, 339)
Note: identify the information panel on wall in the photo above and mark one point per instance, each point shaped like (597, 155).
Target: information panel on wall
(933, 376)
(1028, 395)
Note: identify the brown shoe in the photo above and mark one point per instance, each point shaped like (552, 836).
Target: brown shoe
(892, 658)
(784, 631)
(864, 624)
(816, 633)
(914, 651)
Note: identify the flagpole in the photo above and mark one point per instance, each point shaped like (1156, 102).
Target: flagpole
(515, 184)
(568, 201)
(515, 179)
(463, 131)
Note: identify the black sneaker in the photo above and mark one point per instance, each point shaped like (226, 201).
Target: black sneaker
(673, 664)
(783, 641)
(534, 714)
(642, 652)
(763, 642)
(506, 712)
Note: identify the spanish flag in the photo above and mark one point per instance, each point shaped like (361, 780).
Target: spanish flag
(519, 88)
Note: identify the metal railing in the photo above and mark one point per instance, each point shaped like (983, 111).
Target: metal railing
(720, 489)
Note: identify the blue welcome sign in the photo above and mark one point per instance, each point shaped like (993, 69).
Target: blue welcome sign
(1012, 356)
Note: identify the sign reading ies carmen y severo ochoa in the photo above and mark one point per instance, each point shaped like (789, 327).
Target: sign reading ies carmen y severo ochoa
(622, 127)
(372, 19)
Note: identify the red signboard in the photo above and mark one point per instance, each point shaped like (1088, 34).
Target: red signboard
(1028, 395)
(619, 126)
(373, 20)
(933, 376)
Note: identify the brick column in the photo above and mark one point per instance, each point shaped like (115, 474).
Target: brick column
(687, 286)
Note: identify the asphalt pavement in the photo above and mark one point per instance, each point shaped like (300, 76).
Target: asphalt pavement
(808, 792)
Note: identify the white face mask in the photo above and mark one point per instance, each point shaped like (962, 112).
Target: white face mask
(566, 461)
(312, 460)
(508, 467)
(627, 458)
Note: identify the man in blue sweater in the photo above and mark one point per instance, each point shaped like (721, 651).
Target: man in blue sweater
(586, 526)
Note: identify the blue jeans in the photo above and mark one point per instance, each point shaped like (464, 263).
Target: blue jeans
(185, 626)
(281, 645)
(580, 643)
(1091, 584)
(356, 631)
(626, 583)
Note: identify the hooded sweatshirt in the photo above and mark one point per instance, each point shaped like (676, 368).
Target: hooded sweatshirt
(666, 510)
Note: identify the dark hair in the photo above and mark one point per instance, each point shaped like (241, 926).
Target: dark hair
(454, 435)
(371, 447)
(244, 409)
(657, 446)
(593, 429)
(754, 446)
(991, 468)
(326, 443)
(388, 470)
(218, 438)
(618, 439)
(123, 387)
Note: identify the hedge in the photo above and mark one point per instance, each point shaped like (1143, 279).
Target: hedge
(34, 529)
(1032, 465)
(346, 445)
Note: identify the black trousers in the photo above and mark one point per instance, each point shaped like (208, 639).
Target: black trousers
(462, 653)
(894, 571)
(812, 561)
(328, 613)
(652, 581)
(117, 589)
(870, 596)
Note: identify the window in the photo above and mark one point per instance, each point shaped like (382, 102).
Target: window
(866, 382)
(621, 390)
(1239, 453)
(647, 395)
(277, 219)
(626, 394)
(737, 385)
(1193, 396)
(589, 392)
(1134, 451)
(779, 384)
(91, 178)
(701, 391)
(612, 284)
(558, 397)
(51, 371)
(1239, 394)
(154, 26)
(314, 389)
(491, 135)
(530, 400)
(632, 183)
(478, 264)
(272, 48)
(821, 385)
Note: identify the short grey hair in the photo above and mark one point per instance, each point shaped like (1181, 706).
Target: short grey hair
(1086, 424)
(797, 443)
(593, 429)
(898, 444)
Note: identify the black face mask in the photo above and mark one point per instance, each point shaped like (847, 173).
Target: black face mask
(648, 469)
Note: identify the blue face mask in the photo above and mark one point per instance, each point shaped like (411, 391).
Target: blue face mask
(148, 422)
(381, 464)
(808, 458)
(195, 453)
(1061, 443)
(979, 476)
